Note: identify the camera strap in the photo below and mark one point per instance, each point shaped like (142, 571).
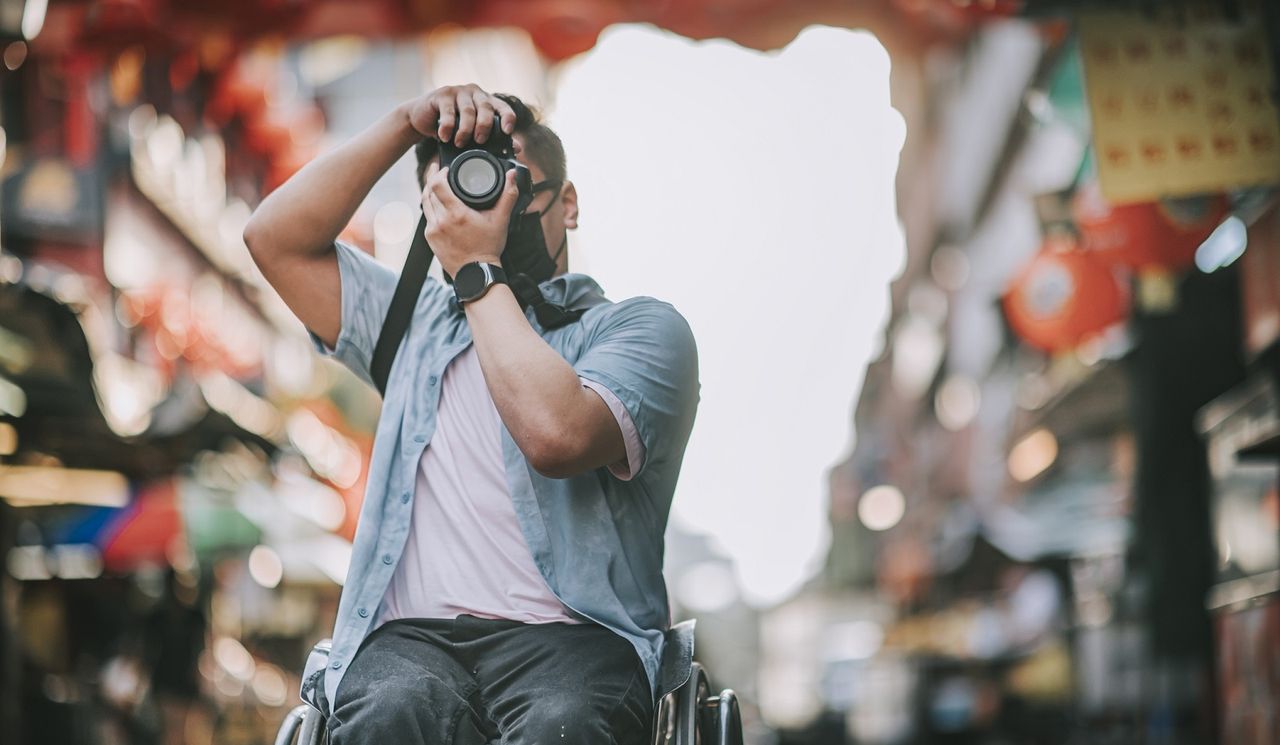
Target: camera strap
(405, 299)
(549, 315)
(403, 302)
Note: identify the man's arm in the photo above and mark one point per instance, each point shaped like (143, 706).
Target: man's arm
(291, 234)
(562, 428)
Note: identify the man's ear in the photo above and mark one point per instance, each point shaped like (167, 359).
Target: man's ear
(569, 197)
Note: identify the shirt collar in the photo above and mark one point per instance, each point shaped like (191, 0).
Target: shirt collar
(573, 291)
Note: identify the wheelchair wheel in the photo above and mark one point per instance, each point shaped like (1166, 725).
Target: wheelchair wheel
(302, 726)
(691, 709)
(664, 721)
(289, 728)
(313, 731)
(728, 719)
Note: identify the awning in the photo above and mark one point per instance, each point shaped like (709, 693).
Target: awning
(559, 28)
(47, 366)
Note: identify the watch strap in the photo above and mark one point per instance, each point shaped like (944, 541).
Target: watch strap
(493, 274)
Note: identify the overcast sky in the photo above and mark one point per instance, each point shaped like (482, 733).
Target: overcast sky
(754, 191)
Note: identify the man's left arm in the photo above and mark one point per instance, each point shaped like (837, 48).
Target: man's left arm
(562, 427)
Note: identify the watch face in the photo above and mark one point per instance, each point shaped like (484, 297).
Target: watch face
(470, 281)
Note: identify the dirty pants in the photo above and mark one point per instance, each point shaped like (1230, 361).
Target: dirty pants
(474, 681)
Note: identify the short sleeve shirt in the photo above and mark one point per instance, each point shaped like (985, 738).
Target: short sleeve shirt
(596, 539)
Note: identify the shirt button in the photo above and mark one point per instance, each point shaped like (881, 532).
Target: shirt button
(364, 612)
(336, 665)
(419, 438)
(386, 558)
(405, 497)
(432, 380)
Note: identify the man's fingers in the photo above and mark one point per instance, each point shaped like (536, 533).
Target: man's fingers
(437, 208)
(507, 114)
(440, 189)
(428, 208)
(484, 117)
(426, 119)
(448, 118)
(466, 118)
(509, 193)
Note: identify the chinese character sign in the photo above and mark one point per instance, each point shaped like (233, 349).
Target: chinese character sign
(1179, 107)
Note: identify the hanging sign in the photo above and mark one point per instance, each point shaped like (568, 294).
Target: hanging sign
(50, 198)
(1179, 106)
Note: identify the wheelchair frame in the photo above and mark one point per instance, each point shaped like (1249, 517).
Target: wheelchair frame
(689, 715)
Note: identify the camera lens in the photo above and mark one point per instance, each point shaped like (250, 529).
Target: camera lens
(477, 176)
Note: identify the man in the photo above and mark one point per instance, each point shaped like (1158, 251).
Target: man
(506, 577)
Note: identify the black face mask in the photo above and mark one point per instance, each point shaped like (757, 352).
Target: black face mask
(526, 251)
(528, 264)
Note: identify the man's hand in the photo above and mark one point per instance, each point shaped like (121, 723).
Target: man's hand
(460, 113)
(458, 234)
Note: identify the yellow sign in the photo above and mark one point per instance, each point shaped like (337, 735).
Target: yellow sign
(1179, 106)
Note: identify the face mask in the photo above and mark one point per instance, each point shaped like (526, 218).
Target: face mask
(526, 251)
(527, 263)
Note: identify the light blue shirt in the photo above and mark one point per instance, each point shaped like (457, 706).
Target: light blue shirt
(597, 540)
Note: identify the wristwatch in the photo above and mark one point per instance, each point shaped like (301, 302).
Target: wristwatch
(474, 280)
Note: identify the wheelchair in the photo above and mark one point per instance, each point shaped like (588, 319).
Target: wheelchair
(689, 715)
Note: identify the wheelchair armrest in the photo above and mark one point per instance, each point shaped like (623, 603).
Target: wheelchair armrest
(677, 657)
(313, 672)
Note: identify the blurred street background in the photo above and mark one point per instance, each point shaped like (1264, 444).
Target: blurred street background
(997, 280)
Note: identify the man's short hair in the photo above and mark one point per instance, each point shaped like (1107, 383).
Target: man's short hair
(541, 144)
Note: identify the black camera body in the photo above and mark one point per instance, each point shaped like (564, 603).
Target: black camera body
(478, 171)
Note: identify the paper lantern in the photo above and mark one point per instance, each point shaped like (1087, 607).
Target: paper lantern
(1146, 236)
(279, 128)
(559, 29)
(116, 24)
(707, 19)
(244, 89)
(285, 163)
(1063, 296)
(955, 16)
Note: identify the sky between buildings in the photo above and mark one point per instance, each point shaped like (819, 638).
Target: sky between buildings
(755, 192)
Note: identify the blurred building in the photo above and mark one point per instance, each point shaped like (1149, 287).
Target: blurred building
(1071, 431)
(173, 462)
(1060, 520)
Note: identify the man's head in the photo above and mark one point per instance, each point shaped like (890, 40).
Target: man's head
(539, 148)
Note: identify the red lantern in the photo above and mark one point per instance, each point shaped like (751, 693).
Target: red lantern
(116, 24)
(1148, 235)
(706, 19)
(559, 28)
(287, 162)
(955, 16)
(244, 88)
(280, 128)
(1063, 297)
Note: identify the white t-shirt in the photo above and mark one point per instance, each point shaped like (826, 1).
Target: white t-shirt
(465, 552)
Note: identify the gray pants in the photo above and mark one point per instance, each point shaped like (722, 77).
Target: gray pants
(472, 681)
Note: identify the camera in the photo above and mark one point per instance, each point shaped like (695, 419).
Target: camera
(478, 171)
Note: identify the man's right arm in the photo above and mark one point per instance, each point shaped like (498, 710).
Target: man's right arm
(291, 234)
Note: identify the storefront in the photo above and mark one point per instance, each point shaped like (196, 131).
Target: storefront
(1242, 430)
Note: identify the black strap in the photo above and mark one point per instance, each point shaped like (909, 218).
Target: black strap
(549, 315)
(402, 304)
(408, 288)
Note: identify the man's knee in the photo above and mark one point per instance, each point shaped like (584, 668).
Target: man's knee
(399, 709)
(562, 719)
